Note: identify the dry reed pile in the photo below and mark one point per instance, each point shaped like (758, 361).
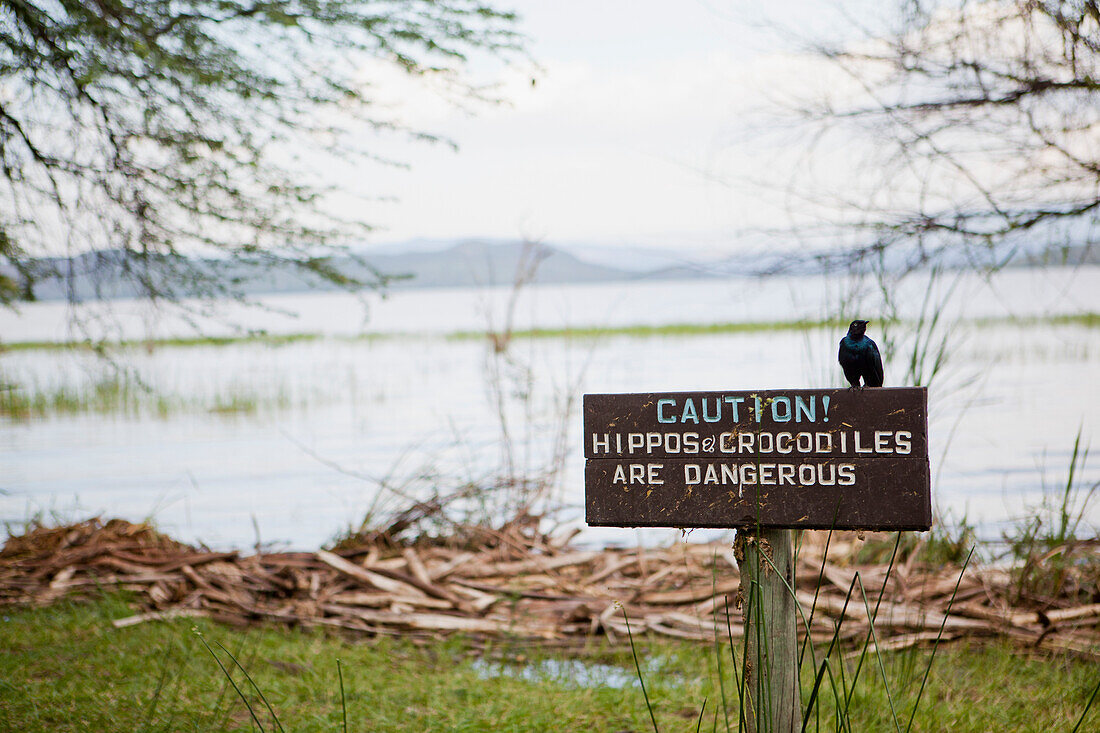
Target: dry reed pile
(518, 582)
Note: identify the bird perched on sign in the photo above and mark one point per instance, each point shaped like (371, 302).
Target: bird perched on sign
(859, 357)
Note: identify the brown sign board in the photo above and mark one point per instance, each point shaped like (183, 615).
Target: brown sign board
(806, 458)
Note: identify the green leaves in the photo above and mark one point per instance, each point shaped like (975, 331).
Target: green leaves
(179, 126)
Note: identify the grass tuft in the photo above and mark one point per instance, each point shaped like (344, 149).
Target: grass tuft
(1051, 558)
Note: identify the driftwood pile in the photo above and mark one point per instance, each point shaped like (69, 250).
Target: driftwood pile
(524, 584)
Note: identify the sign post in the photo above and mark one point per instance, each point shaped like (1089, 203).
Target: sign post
(765, 558)
(764, 463)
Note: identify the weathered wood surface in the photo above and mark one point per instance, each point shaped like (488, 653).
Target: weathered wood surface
(890, 408)
(822, 459)
(770, 604)
(890, 493)
(528, 585)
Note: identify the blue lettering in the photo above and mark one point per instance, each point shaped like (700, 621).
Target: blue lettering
(733, 403)
(661, 410)
(809, 410)
(689, 412)
(717, 415)
(785, 415)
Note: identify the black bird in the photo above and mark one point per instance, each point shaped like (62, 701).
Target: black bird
(859, 357)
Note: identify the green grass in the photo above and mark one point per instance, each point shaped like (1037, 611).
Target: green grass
(65, 668)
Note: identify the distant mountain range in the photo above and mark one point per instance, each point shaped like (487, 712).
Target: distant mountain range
(450, 264)
(480, 263)
(469, 263)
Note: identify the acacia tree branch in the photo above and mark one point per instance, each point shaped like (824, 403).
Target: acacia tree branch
(150, 129)
(981, 121)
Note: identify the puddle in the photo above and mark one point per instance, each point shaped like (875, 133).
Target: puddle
(570, 672)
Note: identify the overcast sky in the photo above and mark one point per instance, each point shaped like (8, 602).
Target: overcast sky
(641, 128)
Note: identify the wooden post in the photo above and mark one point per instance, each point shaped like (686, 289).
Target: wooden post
(771, 702)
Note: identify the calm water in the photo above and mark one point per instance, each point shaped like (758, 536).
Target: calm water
(337, 417)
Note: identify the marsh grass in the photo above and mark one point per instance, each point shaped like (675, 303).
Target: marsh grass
(1051, 557)
(1086, 320)
(949, 542)
(924, 320)
(122, 393)
(169, 342)
(117, 391)
(108, 394)
(650, 331)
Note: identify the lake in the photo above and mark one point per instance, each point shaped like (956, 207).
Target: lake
(387, 396)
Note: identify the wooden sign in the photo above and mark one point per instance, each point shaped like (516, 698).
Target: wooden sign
(812, 458)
